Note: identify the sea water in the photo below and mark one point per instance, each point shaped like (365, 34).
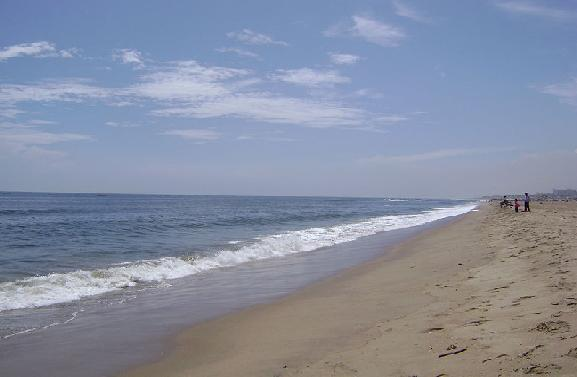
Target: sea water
(72, 265)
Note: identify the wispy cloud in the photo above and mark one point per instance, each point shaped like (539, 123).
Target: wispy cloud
(530, 8)
(41, 122)
(192, 90)
(186, 81)
(344, 59)
(392, 118)
(69, 90)
(194, 134)
(402, 9)
(368, 93)
(369, 29)
(566, 92)
(40, 49)
(25, 141)
(123, 125)
(253, 38)
(240, 52)
(427, 156)
(129, 56)
(309, 77)
(40, 137)
(9, 111)
(265, 138)
(266, 107)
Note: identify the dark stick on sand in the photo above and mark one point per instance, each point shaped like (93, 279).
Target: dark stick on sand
(452, 352)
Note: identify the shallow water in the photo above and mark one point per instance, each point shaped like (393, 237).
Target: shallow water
(122, 332)
(59, 248)
(108, 278)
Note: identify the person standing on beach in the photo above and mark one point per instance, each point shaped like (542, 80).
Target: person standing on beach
(517, 205)
(527, 200)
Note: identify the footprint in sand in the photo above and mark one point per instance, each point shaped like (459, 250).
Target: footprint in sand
(476, 323)
(530, 351)
(517, 301)
(552, 326)
(541, 369)
(572, 353)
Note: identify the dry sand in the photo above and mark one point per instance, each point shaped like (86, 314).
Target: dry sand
(493, 293)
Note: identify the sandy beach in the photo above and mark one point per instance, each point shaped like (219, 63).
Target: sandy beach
(492, 293)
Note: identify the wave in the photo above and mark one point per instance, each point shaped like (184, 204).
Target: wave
(66, 287)
(31, 211)
(73, 316)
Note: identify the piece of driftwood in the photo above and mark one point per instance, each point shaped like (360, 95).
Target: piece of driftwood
(452, 352)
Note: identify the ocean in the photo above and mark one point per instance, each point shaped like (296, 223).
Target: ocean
(69, 257)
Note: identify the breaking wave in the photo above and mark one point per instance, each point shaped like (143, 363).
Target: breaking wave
(66, 287)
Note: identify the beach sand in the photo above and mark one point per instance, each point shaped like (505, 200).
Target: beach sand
(492, 293)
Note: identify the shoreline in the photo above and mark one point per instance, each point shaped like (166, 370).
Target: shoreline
(176, 358)
(141, 329)
(486, 294)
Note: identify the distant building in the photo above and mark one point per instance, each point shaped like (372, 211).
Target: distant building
(565, 193)
(556, 194)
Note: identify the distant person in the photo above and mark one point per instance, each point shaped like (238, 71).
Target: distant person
(527, 200)
(517, 205)
(505, 202)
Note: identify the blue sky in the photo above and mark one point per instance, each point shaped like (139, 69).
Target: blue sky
(355, 98)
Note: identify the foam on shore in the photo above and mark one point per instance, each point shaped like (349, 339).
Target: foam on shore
(66, 287)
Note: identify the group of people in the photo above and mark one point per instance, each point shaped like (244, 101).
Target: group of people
(516, 204)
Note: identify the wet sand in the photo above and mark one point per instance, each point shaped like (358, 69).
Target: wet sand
(493, 293)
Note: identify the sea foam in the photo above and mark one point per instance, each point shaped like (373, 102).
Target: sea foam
(66, 287)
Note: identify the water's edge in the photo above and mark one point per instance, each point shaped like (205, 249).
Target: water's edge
(138, 332)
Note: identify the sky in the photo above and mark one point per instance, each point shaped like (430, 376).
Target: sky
(400, 98)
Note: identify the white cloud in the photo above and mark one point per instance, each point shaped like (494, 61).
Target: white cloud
(31, 152)
(8, 111)
(27, 124)
(310, 78)
(194, 134)
(433, 155)
(239, 52)
(27, 49)
(70, 90)
(69, 53)
(347, 59)
(22, 141)
(566, 92)
(266, 107)
(265, 138)
(535, 9)
(186, 81)
(40, 49)
(14, 125)
(377, 32)
(404, 10)
(41, 122)
(129, 56)
(393, 118)
(253, 38)
(368, 29)
(368, 93)
(189, 89)
(40, 137)
(125, 125)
